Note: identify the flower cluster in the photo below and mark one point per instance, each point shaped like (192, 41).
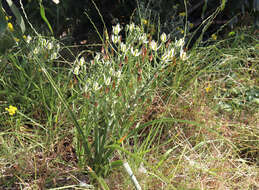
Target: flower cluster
(11, 109)
(48, 48)
(115, 36)
(78, 64)
(108, 68)
(118, 74)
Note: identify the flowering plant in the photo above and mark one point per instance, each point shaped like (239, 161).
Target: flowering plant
(116, 84)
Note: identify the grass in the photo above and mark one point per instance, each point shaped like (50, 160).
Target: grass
(181, 124)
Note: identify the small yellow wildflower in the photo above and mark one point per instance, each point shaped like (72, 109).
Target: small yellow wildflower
(16, 39)
(175, 6)
(11, 110)
(10, 26)
(191, 25)
(232, 33)
(180, 29)
(208, 88)
(8, 18)
(144, 21)
(214, 36)
(24, 37)
(182, 14)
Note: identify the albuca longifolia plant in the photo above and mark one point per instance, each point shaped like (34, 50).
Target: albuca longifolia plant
(115, 87)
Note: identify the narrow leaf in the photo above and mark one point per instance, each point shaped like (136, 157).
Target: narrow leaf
(17, 14)
(43, 16)
(223, 4)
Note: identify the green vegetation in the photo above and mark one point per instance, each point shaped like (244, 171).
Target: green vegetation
(182, 119)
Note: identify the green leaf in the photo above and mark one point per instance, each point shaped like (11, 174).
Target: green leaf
(204, 8)
(19, 19)
(43, 16)
(116, 164)
(223, 4)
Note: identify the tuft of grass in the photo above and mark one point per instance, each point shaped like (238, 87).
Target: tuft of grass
(182, 120)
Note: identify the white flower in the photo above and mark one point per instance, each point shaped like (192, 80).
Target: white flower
(96, 86)
(131, 27)
(36, 50)
(97, 57)
(44, 42)
(171, 53)
(57, 47)
(28, 39)
(49, 45)
(137, 29)
(76, 70)
(165, 57)
(115, 39)
(168, 55)
(107, 80)
(180, 43)
(118, 74)
(183, 55)
(163, 37)
(56, 1)
(81, 61)
(116, 29)
(143, 38)
(153, 45)
(123, 47)
(135, 52)
(54, 56)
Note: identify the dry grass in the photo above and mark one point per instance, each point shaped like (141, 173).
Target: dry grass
(204, 157)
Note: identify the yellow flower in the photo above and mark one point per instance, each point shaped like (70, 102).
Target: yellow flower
(214, 36)
(10, 26)
(144, 21)
(232, 33)
(191, 25)
(182, 14)
(8, 18)
(16, 39)
(11, 110)
(24, 37)
(208, 88)
(180, 29)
